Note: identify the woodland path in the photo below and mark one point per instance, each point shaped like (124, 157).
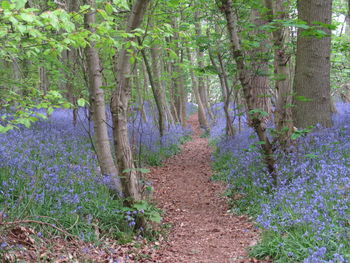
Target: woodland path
(202, 231)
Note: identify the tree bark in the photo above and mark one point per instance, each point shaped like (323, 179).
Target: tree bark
(259, 64)
(283, 84)
(72, 65)
(178, 80)
(44, 80)
(158, 94)
(202, 118)
(103, 147)
(312, 71)
(245, 76)
(225, 89)
(119, 108)
(202, 87)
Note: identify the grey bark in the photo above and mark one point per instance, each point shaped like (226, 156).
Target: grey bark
(312, 70)
(44, 80)
(158, 94)
(202, 118)
(245, 76)
(283, 84)
(202, 87)
(98, 108)
(178, 80)
(225, 90)
(119, 107)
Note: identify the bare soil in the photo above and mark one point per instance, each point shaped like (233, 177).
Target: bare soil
(202, 229)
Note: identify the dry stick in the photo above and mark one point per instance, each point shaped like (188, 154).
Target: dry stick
(37, 222)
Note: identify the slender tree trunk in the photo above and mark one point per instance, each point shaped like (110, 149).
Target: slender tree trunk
(44, 80)
(182, 91)
(283, 112)
(202, 87)
(16, 73)
(178, 80)
(154, 78)
(230, 130)
(225, 89)
(245, 76)
(139, 93)
(202, 118)
(103, 147)
(119, 108)
(312, 70)
(72, 55)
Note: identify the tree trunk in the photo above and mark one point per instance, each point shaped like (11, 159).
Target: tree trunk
(202, 118)
(158, 94)
(119, 108)
(202, 87)
(140, 93)
(16, 73)
(259, 64)
(283, 112)
(178, 79)
(103, 147)
(225, 89)
(230, 130)
(44, 80)
(245, 76)
(312, 70)
(72, 64)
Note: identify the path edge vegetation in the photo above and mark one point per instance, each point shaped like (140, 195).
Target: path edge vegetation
(119, 43)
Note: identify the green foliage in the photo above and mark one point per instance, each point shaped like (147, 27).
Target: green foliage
(299, 133)
(23, 110)
(99, 215)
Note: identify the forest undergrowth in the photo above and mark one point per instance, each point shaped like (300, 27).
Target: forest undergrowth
(305, 218)
(51, 184)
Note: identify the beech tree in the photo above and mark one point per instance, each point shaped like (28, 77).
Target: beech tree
(312, 71)
(119, 107)
(277, 11)
(246, 77)
(98, 108)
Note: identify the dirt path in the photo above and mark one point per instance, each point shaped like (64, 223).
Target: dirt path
(202, 230)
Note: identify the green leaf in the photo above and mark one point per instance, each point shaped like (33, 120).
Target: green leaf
(20, 3)
(261, 112)
(5, 5)
(260, 142)
(66, 105)
(6, 128)
(302, 98)
(155, 217)
(141, 206)
(40, 115)
(122, 4)
(25, 121)
(109, 9)
(81, 102)
(27, 17)
(50, 111)
(172, 54)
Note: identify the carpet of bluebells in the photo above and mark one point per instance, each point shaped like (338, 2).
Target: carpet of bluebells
(49, 172)
(306, 218)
